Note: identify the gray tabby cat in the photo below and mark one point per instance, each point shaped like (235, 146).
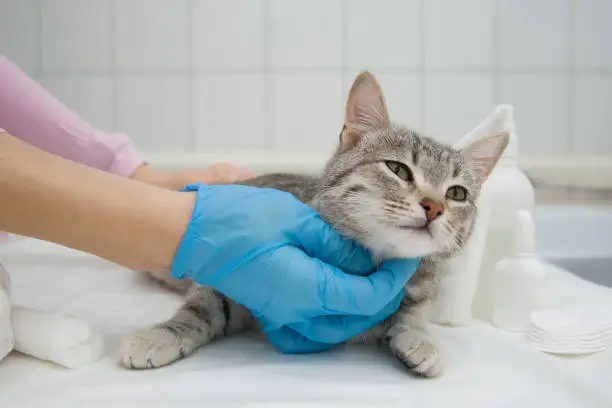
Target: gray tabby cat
(398, 193)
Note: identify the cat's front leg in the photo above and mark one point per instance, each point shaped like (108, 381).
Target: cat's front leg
(205, 316)
(409, 340)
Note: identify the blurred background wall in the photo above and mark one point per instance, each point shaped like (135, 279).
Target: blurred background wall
(267, 79)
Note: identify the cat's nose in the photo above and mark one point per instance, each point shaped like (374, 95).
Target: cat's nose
(433, 209)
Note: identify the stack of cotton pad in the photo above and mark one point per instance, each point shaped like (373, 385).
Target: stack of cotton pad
(575, 330)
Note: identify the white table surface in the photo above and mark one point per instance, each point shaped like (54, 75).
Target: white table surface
(487, 367)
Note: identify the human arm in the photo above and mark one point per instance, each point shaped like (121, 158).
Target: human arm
(32, 114)
(260, 247)
(44, 196)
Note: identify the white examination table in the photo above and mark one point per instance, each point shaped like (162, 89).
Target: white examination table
(487, 367)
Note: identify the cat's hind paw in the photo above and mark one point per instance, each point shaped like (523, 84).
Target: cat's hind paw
(419, 354)
(153, 348)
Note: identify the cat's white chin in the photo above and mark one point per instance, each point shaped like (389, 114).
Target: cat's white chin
(402, 243)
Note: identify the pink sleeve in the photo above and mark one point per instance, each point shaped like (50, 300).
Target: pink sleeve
(30, 113)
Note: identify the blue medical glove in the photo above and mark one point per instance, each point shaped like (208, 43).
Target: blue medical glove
(273, 254)
(324, 332)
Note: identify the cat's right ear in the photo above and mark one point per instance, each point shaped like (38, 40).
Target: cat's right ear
(366, 111)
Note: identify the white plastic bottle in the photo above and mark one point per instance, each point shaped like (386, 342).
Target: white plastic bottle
(509, 190)
(519, 280)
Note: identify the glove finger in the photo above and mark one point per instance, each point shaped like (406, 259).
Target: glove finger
(338, 329)
(289, 341)
(320, 240)
(364, 295)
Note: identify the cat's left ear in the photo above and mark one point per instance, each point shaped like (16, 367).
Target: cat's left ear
(482, 155)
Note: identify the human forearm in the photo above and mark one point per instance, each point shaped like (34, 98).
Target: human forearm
(133, 224)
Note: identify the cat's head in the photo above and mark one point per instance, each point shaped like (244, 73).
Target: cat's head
(399, 193)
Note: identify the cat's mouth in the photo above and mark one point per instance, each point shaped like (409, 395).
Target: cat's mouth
(416, 229)
(414, 224)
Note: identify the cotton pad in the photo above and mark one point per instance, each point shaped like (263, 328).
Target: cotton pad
(575, 330)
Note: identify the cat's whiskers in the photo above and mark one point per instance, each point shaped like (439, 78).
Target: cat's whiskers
(457, 239)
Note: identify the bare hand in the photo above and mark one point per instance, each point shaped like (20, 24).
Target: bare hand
(218, 173)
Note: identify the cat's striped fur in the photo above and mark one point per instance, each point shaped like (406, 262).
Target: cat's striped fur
(359, 195)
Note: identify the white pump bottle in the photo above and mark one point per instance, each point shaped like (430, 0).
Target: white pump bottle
(507, 191)
(519, 281)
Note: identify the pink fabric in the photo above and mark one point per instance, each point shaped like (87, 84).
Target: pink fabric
(30, 113)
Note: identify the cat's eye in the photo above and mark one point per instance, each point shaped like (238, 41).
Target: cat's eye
(456, 193)
(401, 170)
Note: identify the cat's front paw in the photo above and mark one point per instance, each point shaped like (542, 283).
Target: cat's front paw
(153, 348)
(419, 354)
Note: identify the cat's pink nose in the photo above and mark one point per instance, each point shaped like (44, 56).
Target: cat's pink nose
(433, 209)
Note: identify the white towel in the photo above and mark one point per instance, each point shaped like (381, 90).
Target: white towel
(6, 328)
(53, 337)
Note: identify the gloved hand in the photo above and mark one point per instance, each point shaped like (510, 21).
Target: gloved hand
(266, 250)
(323, 332)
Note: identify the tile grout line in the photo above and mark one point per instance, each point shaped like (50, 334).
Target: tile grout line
(38, 70)
(191, 80)
(267, 81)
(422, 68)
(321, 69)
(113, 57)
(497, 72)
(571, 77)
(344, 40)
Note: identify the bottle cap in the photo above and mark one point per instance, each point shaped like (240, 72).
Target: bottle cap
(512, 150)
(500, 120)
(523, 238)
(505, 123)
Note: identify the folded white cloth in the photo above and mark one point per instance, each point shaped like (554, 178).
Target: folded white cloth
(6, 327)
(52, 337)
(57, 338)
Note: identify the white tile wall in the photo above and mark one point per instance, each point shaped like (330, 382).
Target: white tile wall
(593, 33)
(18, 32)
(229, 112)
(90, 97)
(456, 102)
(592, 105)
(228, 34)
(272, 75)
(306, 113)
(541, 111)
(151, 34)
(388, 35)
(459, 34)
(305, 33)
(154, 111)
(75, 35)
(534, 33)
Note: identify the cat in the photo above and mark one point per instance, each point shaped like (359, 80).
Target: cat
(398, 193)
